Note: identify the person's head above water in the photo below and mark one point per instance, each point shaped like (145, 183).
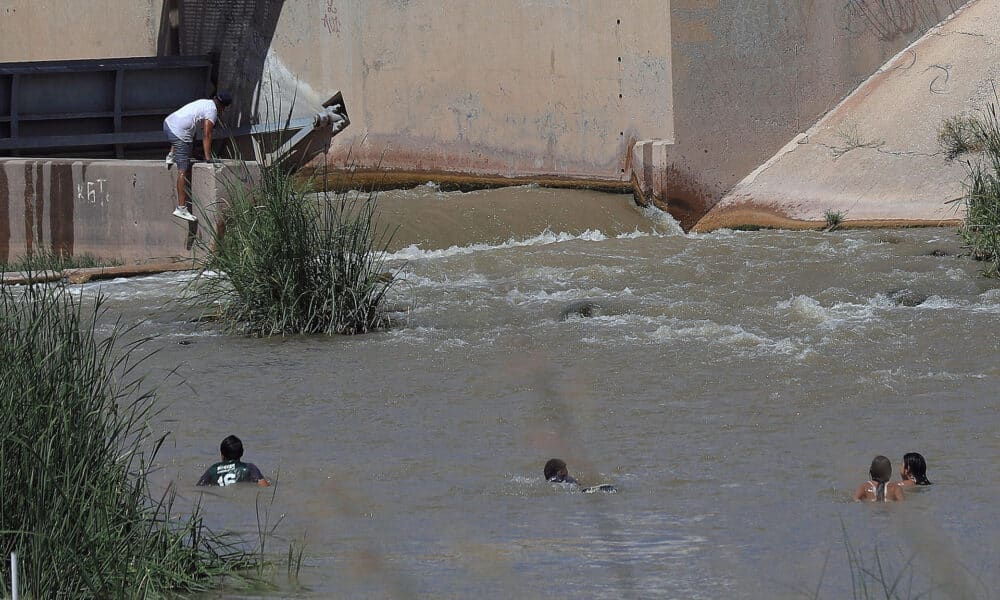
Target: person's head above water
(881, 469)
(880, 472)
(914, 467)
(556, 471)
(232, 448)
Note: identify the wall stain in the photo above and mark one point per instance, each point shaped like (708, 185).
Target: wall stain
(39, 204)
(4, 216)
(29, 208)
(61, 210)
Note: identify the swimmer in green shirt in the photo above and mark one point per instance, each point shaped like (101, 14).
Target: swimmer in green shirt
(231, 470)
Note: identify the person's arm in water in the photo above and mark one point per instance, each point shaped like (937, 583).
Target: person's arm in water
(206, 478)
(258, 477)
(206, 141)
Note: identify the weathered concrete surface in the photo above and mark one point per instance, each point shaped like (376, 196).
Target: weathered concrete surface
(512, 89)
(77, 276)
(111, 209)
(586, 90)
(748, 75)
(875, 157)
(70, 29)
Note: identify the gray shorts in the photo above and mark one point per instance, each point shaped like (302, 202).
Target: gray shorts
(182, 149)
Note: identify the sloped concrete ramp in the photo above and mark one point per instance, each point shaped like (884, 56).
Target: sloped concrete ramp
(875, 157)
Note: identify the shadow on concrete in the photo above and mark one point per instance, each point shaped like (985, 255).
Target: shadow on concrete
(237, 32)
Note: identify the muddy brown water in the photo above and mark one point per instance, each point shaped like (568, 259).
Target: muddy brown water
(734, 386)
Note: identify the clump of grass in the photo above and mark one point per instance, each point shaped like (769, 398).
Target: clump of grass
(75, 450)
(961, 135)
(834, 219)
(289, 261)
(981, 228)
(53, 261)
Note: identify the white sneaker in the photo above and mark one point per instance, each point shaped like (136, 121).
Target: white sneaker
(184, 213)
(169, 160)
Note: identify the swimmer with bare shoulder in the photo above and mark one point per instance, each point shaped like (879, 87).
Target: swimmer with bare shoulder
(878, 488)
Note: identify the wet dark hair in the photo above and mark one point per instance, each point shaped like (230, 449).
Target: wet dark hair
(232, 448)
(917, 467)
(880, 472)
(553, 468)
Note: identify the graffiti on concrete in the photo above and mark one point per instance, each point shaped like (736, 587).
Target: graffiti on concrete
(889, 19)
(331, 20)
(93, 192)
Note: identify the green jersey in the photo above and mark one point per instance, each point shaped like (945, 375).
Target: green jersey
(229, 472)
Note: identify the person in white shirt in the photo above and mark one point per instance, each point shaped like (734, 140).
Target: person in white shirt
(180, 128)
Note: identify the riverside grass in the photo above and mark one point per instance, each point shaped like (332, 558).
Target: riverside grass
(75, 450)
(981, 135)
(288, 261)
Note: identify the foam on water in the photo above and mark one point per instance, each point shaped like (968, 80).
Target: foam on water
(517, 297)
(414, 252)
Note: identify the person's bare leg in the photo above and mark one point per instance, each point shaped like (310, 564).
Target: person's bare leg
(183, 178)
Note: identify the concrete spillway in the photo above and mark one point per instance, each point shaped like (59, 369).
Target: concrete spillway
(875, 158)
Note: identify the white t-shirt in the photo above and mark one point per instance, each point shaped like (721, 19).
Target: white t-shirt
(185, 120)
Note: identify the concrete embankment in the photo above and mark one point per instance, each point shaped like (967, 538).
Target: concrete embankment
(875, 158)
(109, 209)
(86, 275)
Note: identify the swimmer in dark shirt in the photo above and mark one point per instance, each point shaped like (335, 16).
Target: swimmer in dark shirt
(231, 470)
(556, 472)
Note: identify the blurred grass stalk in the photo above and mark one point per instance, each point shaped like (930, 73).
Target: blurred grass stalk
(75, 451)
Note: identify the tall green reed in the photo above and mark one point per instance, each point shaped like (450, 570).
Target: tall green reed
(981, 228)
(287, 260)
(75, 451)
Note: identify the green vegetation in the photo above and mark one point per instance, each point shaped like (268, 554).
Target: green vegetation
(292, 262)
(981, 134)
(960, 135)
(834, 219)
(52, 261)
(75, 450)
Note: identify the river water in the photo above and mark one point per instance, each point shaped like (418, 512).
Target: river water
(734, 386)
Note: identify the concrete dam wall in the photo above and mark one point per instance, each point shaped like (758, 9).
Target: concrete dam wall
(679, 100)
(875, 158)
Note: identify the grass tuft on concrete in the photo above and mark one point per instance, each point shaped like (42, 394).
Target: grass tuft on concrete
(75, 450)
(834, 219)
(981, 229)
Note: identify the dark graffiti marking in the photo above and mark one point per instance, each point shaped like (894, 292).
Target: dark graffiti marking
(331, 20)
(939, 84)
(889, 19)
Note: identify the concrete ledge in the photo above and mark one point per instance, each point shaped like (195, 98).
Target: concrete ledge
(114, 209)
(77, 276)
